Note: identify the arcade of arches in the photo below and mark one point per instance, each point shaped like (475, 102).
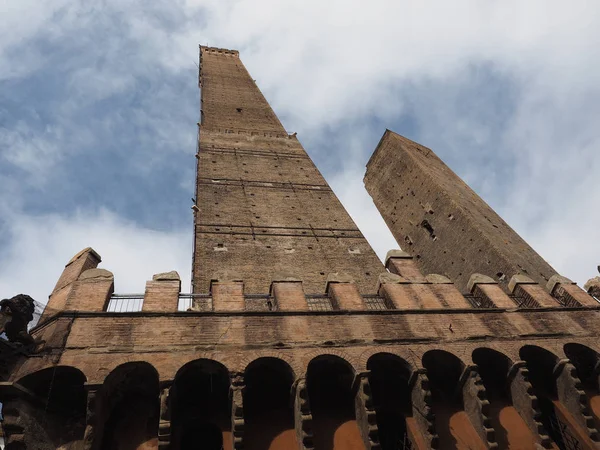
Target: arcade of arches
(541, 401)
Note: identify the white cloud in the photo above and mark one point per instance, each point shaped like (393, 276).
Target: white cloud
(326, 65)
(40, 246)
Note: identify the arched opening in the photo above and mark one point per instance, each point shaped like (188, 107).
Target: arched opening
(389, 376)
(453, 426)
(511, 430)
(57, 415)
(129, 408)
(268, 406)
(201, 407)
(587, 363)
(330, 382)
(541, 364)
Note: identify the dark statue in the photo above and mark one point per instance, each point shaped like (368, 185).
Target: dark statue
(15, 314)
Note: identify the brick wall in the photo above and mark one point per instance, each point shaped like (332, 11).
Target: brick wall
(435, 216)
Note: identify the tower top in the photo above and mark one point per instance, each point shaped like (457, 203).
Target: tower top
(216, 50)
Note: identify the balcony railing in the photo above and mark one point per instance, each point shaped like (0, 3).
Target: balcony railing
(125, 303)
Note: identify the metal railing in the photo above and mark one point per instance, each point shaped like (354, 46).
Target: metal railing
(195, 302)
(125, 303)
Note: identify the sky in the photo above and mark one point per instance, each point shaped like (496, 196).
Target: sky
(99, 103)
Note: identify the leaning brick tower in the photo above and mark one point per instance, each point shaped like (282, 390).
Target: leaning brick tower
(295, 335)
(261, 202)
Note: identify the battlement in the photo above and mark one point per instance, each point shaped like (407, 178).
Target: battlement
(218, 51)
(401, 289)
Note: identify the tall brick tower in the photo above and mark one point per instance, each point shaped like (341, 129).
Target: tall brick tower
(295, 335)
(435, 216)
(264, 209)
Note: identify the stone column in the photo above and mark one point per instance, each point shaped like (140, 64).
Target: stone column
(164, 424)
(237, 410)
(366, 416)
(93, 430)
(421, 401)
(303, 416)
(476, 405)
(526, 402)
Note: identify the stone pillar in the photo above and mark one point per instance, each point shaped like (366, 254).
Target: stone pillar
(570, 393)
(82, 261)
(164, 424)
(526, 402)
(162, 293)
(303, 416)
(227, 295)
(92, 291)
(568, 293)
(401, 263)
(487, 291)
(93, 430)
(13, 425)
(477, 406)
(237, 410)
(343, 292)
(366, 417)
(421, 401)
(289, 294)
(529, 293)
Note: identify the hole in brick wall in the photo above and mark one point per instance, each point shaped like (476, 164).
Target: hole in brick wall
(220, 245)
(367, 273)
(245, 171)
(258, 217)
(238, 110)
(252, 195)
(268, 246)
(214, 162)
(427, 226)
(299, 218)
(322, 273)
(217, 229)
(309, 247)
(217, 215)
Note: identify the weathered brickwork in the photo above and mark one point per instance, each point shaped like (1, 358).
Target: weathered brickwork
(435, 216)
(297, 337)
(261, 200)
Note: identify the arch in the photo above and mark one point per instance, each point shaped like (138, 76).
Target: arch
(58, 415)
(330, 384)
(444, 370)
(449, 388)
(200, 403)
(587, 362)
(311, 356)
(268, 405)
(389, 376)
(248, 358)
(493, 367)
(128, 408)
(511, 430)
(541, 364)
